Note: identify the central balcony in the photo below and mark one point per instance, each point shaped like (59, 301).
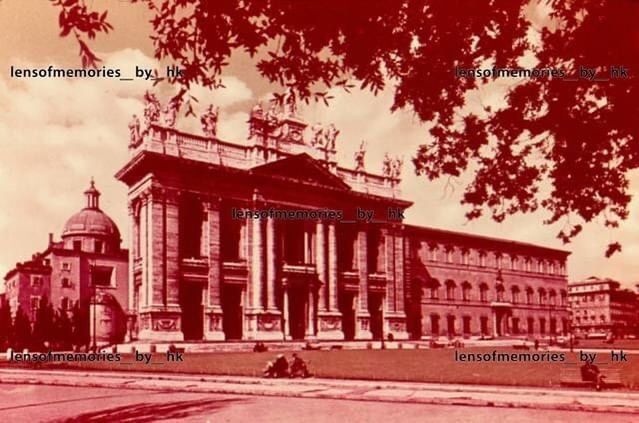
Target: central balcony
(349, 280)
(235, 272)
(195, 269)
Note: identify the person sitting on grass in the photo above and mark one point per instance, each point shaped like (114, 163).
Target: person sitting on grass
(280, 367)
(591, 373)
(298, 367)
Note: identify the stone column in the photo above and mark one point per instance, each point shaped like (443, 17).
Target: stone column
(310, 319)
(332, 267)
(329, 318)
(363, 315)
(132, 310)
(172, 254)
(269, 321)
(257, 265)
(161, 318)
(213, 322)
(320, 265)
(132, 256)
(271, 263)
(285, 314)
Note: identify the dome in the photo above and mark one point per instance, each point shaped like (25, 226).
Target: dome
(91, 220)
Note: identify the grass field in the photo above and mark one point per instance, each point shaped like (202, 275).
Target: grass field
(427, 365)
(630, 344)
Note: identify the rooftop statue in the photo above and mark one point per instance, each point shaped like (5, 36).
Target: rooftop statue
(387, 166)
(330, 136)
(359, 157)
(151, 109)
(169, 113)
(396, 168)
(209, 121)
(134, 131)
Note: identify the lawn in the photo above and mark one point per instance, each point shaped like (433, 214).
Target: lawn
(624, 344)
(427, 365)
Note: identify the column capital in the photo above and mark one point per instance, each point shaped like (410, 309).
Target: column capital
(211, 202)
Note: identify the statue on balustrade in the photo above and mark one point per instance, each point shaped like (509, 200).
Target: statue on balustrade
(330, 136)
(169, 114)
(257, 113)
(359, 157)
(134, 131)
(209, 121)
(151, 109)
(317, 131)
(396, 168)
(387, 166)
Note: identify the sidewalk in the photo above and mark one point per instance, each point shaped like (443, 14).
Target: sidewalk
(425, 393)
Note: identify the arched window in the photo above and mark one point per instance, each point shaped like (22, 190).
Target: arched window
(465, 257)
(500, 292)
(433, 288)
(483, 292)
(563, 295)
(450, 289)
(482, 259)
(449, 254)
(515, 294)
(542, 296)
(529, 295)
(432, 250)
(466, 288)
(552, 294)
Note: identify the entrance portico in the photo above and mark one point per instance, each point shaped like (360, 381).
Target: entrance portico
(262, 241)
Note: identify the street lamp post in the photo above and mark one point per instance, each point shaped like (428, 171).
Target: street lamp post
(93, 310)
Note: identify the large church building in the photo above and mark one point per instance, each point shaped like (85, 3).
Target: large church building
(271, 239)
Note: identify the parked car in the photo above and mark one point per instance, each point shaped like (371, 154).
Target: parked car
(596, 335)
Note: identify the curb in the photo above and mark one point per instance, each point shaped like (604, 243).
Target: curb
(464, 399)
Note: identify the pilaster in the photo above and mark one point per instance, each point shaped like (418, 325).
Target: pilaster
(363, 330)
(213, 316)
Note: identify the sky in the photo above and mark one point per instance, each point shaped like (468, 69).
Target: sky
(55, 135)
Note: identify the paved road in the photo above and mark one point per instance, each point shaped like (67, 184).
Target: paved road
(37, 403)
(397, 392)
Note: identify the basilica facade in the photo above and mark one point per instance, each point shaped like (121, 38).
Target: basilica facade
(271, 239)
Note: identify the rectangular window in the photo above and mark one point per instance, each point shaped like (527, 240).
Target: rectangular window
(77, 245)
(66, 266)
(433, 254)
(35, 303)
(483, 294)
(97, 246)
(66, 283)
(65, 304)
(434, 293)
(449, 255)
(450, 292)
(466, 293)
(102, 276)
(36, 281)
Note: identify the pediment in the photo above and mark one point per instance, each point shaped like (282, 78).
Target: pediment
(304, 169)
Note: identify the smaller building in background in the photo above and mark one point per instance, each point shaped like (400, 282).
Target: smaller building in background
(87, 266)
(600, 306)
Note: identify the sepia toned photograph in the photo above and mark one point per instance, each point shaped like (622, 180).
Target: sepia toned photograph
(319, 211)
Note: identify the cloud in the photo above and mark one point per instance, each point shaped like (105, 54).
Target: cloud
(56, 134)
